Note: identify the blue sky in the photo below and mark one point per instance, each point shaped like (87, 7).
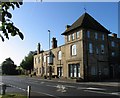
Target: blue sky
(34, 20)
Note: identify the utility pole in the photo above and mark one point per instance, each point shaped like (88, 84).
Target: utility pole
(49, 55)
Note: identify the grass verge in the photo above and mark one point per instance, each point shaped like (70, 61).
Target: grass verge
(13, 96)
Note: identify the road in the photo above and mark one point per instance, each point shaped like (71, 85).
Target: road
(54, 89)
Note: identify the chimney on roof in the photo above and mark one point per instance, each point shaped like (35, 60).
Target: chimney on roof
(67, 26)
(38, 48)
(54, 43)
(114, 35)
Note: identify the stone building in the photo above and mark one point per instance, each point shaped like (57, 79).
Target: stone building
(85, 54)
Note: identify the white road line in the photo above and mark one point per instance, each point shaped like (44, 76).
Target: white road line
(17, 87)
(70, 86)
(92, 88)
(102, 92)
(46, 94)
(116, 93)
(51, 86)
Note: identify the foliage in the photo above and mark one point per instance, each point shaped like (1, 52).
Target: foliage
(8, 67)
(8, 26)
(27, 62)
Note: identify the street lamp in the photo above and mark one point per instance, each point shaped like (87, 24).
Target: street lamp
(49, 55)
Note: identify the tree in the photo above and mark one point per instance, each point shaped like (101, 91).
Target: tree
(8, 67)
(8, 26)
(27, 62)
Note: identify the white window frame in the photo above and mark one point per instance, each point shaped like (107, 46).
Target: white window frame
(44, 59)
(77, 34)
(73, 36)
(90, 48)
(68, 38)
(59, 55)
(73, 50)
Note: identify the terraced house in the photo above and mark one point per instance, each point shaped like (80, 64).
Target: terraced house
(89, 52)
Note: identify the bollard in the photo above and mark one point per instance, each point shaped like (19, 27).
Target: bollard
(28, 91)
(3, 89)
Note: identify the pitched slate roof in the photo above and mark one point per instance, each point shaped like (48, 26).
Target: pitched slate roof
(88, 22)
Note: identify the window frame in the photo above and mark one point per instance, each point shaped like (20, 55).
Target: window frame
(88, 34)
(69, 37)
(73, 50)
(96, 35)
(59, 55)
(103, 37)
(102, 49)
(78, 34)
(73, 36)
(90, 48)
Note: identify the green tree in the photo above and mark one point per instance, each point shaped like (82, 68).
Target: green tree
(8, 67)
(27, 62)
(8, 26)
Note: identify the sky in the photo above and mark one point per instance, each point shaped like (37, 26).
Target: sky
(34, 19)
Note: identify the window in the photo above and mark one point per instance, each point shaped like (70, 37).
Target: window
(113, 44)
(102, 49)
(38, 59)
(97, 50)
(50, 59)
(68, 37)
(73, 49)
(93, 70)
(59, 55)
(88, 34)
(44, 58)
(73, 36)
(103, 37)
(113, 53)
(96, 35)
(90, 48)
(77, 34)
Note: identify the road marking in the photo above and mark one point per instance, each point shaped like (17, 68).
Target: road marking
(50, 86)
(46, 94)
(116, 93)
(81, 88)
(61, 88)
(17, 87)
(91, 88)
(97, 92)
(100, 92)
(70, 86)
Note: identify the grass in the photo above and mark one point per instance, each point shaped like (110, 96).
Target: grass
(13, 96)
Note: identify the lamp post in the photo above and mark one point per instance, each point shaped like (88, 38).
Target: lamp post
(49, 56)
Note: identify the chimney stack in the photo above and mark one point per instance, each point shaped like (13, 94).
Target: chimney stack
(38, 48)
(67, 26)
(114, 35)
(54, 43)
